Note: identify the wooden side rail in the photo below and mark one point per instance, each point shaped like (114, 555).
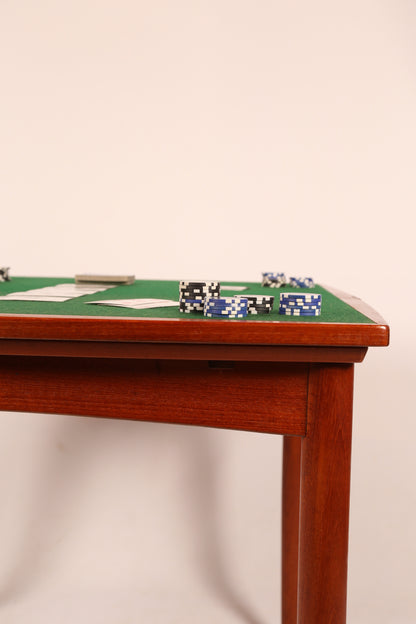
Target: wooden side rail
(266, 397)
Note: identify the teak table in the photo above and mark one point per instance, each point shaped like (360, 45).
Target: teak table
(285, 376)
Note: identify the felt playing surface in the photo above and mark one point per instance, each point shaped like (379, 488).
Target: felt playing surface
(334, 310)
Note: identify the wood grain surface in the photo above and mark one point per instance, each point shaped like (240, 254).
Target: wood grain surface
(290, 528)
(264, 397)
(166, 351)
(324, 496)
(193, 331)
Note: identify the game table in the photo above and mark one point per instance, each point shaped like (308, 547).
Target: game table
(268, 373)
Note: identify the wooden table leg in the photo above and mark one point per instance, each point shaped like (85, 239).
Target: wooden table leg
(324, 496)
(290, 528)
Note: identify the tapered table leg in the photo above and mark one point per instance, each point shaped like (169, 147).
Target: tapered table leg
(290, 528)
(324, 496)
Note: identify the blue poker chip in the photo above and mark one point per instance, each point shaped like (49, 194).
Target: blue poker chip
(285, 306)
(300, 294)
(224, 307)
(228, 299)
(221, 302)
(225, 312)
(301, 282)
(227, 316)
(302, 306)
(224, 301)
(274, 276)
(299, 312)
(306, 297)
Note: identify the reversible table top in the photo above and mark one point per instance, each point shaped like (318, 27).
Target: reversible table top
(344, 320)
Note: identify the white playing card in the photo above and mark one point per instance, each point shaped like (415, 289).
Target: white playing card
(137, 304)
(60, 292)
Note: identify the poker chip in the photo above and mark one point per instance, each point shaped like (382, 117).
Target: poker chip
(225, 310)
(199, 289)
(4, 274)
(301, 298)
(224, 301)
(198, 302)
(225, 307)
(258, 304)
(198, 296)
(258, 299)
(274, 280)
(300, 304)
(220, 301)
(193, 293)
(221, 316)
(229, 306)
(258, 311)
(198, 283)
(299, 312)
(190, 305)
(306, 306)
(301, 282)
(220, 308)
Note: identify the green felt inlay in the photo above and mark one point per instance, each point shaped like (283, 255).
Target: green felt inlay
(333, 309)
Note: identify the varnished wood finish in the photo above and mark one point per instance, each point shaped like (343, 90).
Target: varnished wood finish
(290, 528)
(200, 331)
(290, 378)
(324, 496)
(264, 397)
(140, 350)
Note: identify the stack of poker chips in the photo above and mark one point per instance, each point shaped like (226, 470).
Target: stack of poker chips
(277, 280)
(258, 304)
(301, 282)
(274, 280)
(225, 307)
(300, 304)
(192, 294)
(4, 274)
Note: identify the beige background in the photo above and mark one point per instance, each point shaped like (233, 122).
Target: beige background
(220, 139)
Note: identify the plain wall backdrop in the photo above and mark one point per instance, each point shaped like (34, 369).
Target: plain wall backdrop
(215, 139)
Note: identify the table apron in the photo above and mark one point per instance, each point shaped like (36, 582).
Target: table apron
(268, 397)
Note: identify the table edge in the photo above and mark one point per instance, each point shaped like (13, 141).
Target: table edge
(357, 303)
(187, 331)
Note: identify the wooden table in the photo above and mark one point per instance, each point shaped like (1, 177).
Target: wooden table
(291, 378)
